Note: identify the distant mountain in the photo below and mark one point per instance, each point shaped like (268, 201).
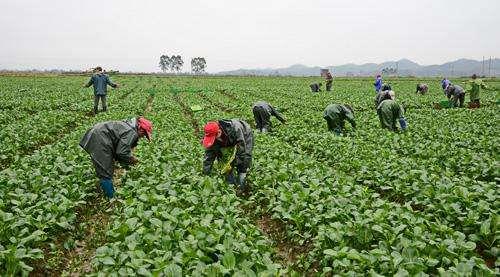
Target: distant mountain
(403, 67)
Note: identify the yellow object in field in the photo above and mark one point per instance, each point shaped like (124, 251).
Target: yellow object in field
(226, 168)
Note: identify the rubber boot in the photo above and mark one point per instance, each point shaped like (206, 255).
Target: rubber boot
(107, 187)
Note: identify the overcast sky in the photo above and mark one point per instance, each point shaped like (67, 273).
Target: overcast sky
(130, 35)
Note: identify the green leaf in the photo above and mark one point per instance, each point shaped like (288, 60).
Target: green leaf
(229, 260)
(485, 228)
(329, 252)
(156, 222)
(173, 270)
(132, 222)
(108, 260)
(470, 245)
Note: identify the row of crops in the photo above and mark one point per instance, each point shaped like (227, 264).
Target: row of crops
(421, 202)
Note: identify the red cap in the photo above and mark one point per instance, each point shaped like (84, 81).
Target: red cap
(211, 130)
(146, 126)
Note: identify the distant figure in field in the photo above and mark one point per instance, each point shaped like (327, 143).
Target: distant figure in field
(335, 115)
(390, 112)
(474, 87)
(315, 87)
(328, 81)
(100, 81)
(262, 112)
(456, 94)
(444, 84)
(383, 94)
(422, 89)
(114, 140)
(378, 83)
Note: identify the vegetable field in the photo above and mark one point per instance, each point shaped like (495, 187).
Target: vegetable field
(372, 202)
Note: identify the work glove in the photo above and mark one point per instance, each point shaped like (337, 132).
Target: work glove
(107, 187)
(402, 123)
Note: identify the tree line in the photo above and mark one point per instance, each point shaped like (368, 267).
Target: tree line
(175, 63)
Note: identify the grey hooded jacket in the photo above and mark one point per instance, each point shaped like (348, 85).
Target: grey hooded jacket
(236, 133)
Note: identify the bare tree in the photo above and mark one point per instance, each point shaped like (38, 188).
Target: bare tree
(198, 65)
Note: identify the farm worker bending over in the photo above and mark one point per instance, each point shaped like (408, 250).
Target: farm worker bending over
(389, 112)
(100, 81)
(378, 83)
(422, 88)
(114, 140)
(457, 95)
(328, 81)
(262, 112)
(229, 133)
(473, 88)
(315, 87)
(382, 95)
(336, 114)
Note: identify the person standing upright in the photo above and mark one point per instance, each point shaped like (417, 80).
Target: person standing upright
(444, 84)
(378, 83)
(474, 87)
(100, 81)
(328, 81)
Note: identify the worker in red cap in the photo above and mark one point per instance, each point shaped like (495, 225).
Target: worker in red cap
(114, 140)
(229, 133)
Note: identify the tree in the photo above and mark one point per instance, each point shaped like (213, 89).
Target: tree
(165, 63)
(177, 63)
(198, 65)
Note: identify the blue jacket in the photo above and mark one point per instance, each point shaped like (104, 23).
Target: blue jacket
(445, 83)
(100, 81)
(378, 84)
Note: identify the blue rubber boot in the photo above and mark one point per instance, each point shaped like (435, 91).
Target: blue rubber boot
(337, 131)
(107, 187)
(403, 124)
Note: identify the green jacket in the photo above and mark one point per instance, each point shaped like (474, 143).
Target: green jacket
(336, 114)
(235, 133)
(474, 87)
(100, 81)
(389, 112)
(109, 141)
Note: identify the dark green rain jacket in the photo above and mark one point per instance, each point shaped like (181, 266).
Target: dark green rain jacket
(336, 114)
(389, 112)
(109, 141)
